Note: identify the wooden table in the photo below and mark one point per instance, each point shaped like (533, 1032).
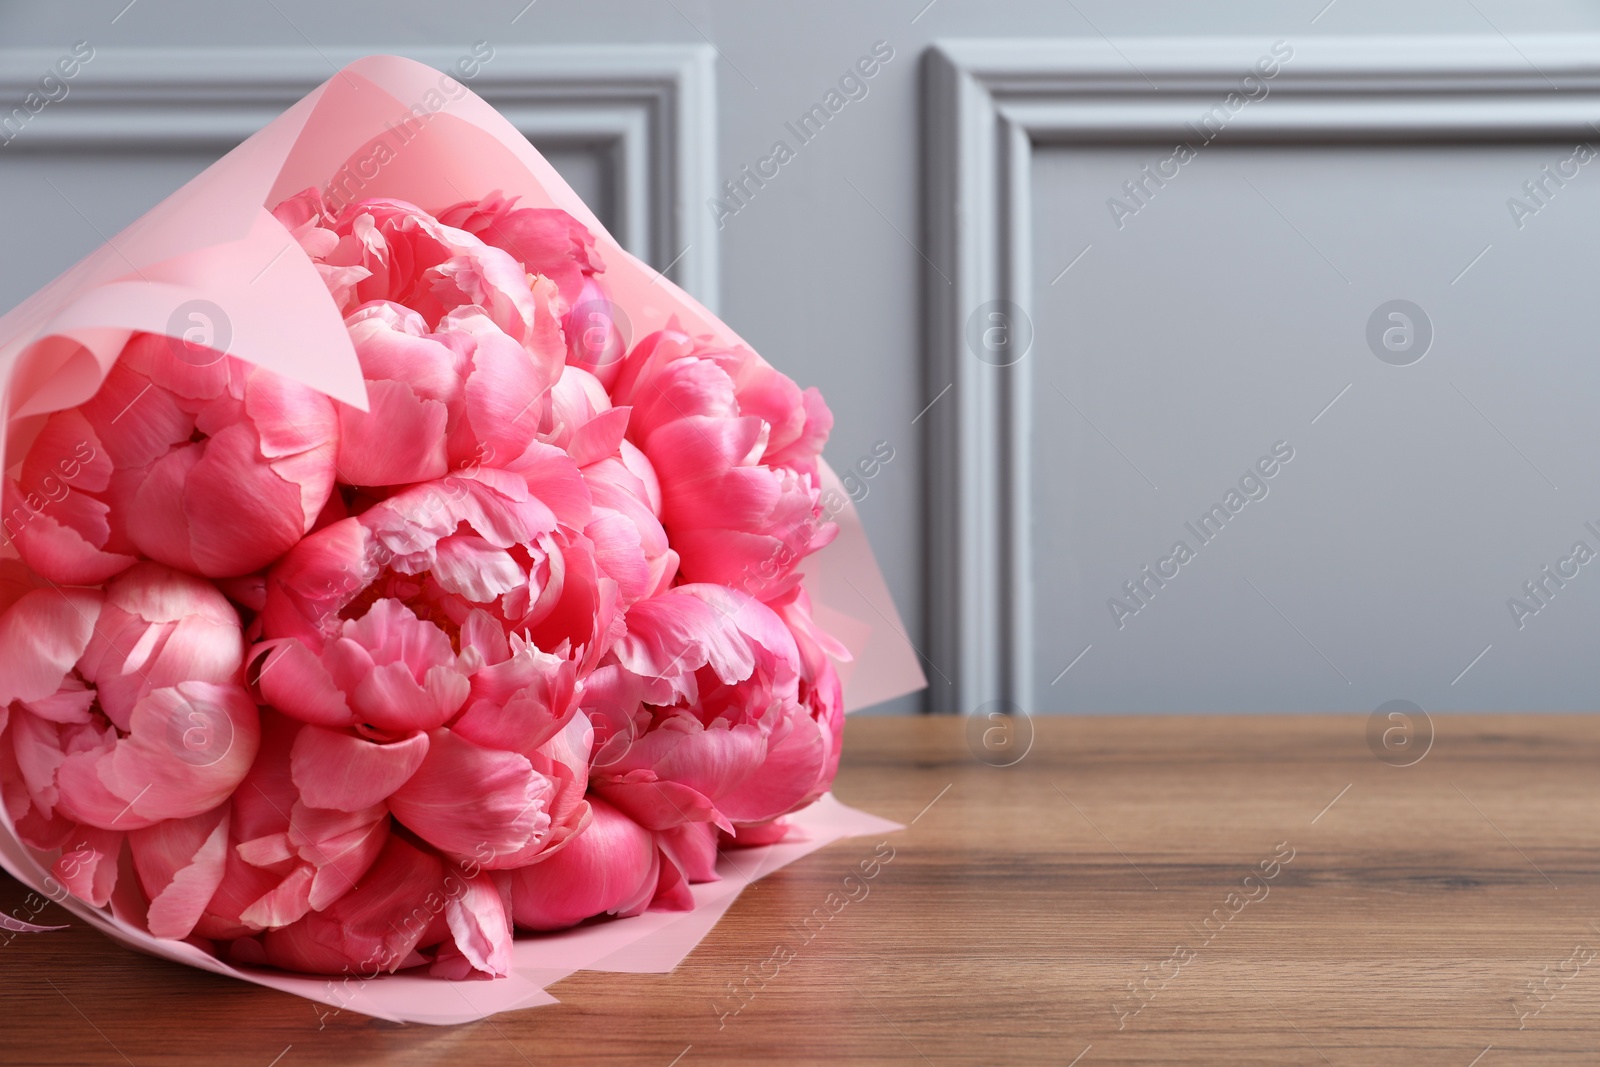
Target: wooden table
(1419, 907)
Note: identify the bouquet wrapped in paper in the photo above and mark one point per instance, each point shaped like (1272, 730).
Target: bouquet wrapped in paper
(404, 584)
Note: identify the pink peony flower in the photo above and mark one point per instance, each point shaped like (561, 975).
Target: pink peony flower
(119, 710)
(735, 445)
(286, 853)
(625, 526)
(440, 400)
(435, 639)
(214, 469)
(615, 867)
(550, 243)
(317, 884)
(459, 341)
(546, 241)
(399, 905)
(700, 715)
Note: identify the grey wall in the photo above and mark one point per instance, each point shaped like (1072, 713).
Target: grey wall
(1377, 562)
(1391, 542)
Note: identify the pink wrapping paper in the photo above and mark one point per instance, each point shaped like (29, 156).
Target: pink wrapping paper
(652, 943)
(214, 240)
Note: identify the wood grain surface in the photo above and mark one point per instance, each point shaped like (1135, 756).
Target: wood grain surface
(1441, 913)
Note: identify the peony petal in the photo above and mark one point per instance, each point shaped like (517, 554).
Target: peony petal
(359, 933)
(41, 638)
(269, 851)
(88, 865)
(545, 241)
(680, 632)
(342, 847)
(500, 390)
(67, 449)
(180, 863)
(72, 703)
(789, 776)
(313, 582)
(85, 797)
(291, 418)
(136, 422)
(156, 521)
(284, 904)
(683, 388)
(242, 885)
(479, 922)
(660, 805)
(36, 744)
(620, 554)
(521, 703)
(399, 440)
(60, 553)
(672, 889)
(391, 700)
(552, 476)
(472, 568)
(600, 437)
(712, 760)
(692, 848)
(338, 770)
(190, 746)
(241, 513)
(296, 683)
(393, 634)
(508, 807)
(482, 633)
(610, 868)
(390, 341)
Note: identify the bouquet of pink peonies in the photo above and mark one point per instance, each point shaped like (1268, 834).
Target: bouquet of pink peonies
(410, 602)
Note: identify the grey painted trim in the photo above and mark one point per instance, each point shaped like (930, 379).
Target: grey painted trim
(649, 110)
(989, 103)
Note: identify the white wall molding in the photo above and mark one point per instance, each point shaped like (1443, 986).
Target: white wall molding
(989, 103)
(649, 110)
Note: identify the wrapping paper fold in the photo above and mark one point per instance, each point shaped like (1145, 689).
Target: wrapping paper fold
(390, 127)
